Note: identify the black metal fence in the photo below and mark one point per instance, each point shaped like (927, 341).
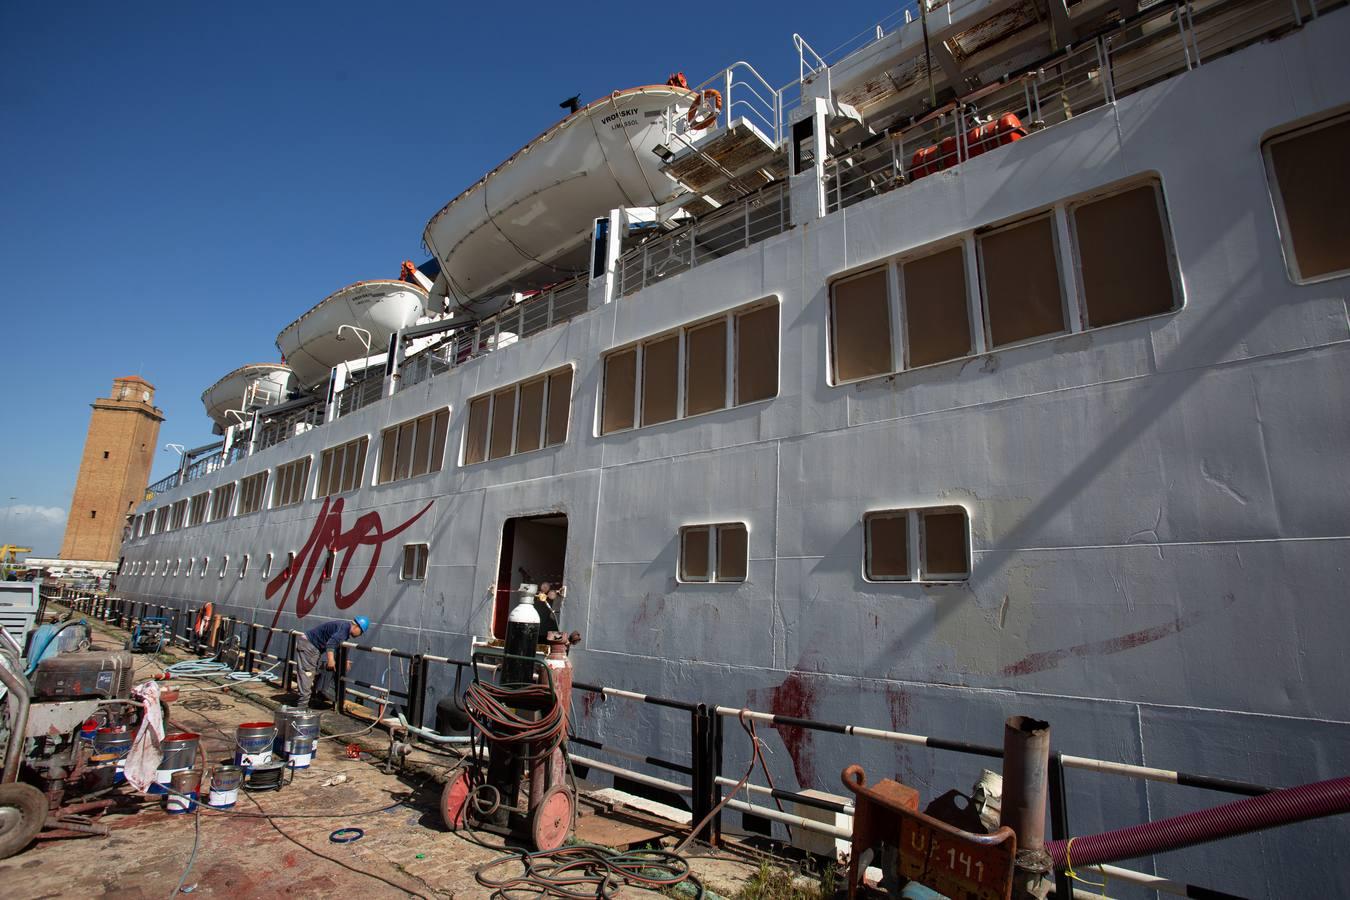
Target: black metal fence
(261, 649)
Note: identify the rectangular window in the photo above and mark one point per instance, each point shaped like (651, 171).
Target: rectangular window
(1020, 279)
(475, 442)
(224, 564)
(414, 562)
(930, 544)
(660, 379)
(530, 421)
(700, 358)
(757, 354)
(503, 423)
(288, 488)
(705, 368)
(266, 567)
(162, 520)
(519, 418)
(861, 332)
(714, 552)
(937, 311)
(341, 467)
(413, 448)
(1124, 257)
(252, 491)
(1310, 185)
(559, 406)
(180, 510)
(243, 566)
(619, 391)
(197, 510)
(222, 501)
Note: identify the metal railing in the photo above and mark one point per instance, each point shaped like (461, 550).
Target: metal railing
(1155, 44)
(549, 307)
(167, 483)
(712, 758)
(754, 218)
(283, 427)
(359, 394)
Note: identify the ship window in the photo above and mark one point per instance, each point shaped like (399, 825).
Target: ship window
(252, 490)
(414, 562)
(404, 451)
(180, 514)
(222, 499)
(937, 312)
(341, 467)
(288, 488)
(475, 444)
(266, 567)
(1022, 292)
(945, 553)
(413, 448)
(559, 406)
(197, 511)
(529, 428)
(243, 565)
(861, 329)
(327, 573)
(206, 563)
(1312, 198)
(532, 414)
(705, 368)
(620, 384)
(177, 564)
(660, 379)
(1124, 257)
(503, 423)
(932, 540)
(224, 564)
(714, 552)
(289, 571)
(757, 354)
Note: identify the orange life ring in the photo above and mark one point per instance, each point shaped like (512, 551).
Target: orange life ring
(711, 98)
(203, 616)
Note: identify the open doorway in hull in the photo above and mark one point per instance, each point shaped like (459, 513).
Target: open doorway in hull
(534, 550)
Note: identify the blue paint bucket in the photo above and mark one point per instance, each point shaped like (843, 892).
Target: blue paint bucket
(183, 788)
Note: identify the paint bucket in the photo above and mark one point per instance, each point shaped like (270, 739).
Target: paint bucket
(178, 751)
(225, 781)
(183, 788)
(253, 743)
(298, 733)
(101, 772)
(117, 741)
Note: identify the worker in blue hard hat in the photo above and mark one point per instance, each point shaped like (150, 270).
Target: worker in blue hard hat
(324, 640)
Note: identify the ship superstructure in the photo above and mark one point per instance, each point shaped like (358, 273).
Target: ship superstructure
(1002, 371)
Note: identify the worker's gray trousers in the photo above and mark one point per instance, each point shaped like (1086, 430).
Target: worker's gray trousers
(307, 664)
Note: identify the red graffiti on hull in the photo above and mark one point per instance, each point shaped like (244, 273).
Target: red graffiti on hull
(327, 535)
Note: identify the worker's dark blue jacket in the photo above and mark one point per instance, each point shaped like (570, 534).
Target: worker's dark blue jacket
(329, 635)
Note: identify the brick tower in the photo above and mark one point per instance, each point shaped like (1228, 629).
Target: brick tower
(115, 468)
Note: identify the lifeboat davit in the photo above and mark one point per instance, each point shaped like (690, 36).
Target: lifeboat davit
(528, 222)
(247, 387)
(312, 345)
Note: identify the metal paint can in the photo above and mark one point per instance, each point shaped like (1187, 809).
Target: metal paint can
(253, 743)
(183, 788)
(102, 771)
(178, 752)
(116, 740)
(298, 734)
(225, 781)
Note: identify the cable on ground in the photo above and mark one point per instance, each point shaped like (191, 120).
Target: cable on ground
(586, 871)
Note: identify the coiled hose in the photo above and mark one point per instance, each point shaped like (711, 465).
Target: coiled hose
(1297, 804)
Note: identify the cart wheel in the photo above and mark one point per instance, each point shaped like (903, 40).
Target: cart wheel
(455, 799)
(23, 809)
(551, 820)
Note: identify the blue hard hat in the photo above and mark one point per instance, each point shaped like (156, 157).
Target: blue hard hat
(363, 623)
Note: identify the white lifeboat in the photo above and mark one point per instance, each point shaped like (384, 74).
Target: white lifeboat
(247, 387)
(531, 217)
(312, 344)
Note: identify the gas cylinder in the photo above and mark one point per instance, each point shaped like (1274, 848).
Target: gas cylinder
(522, 639)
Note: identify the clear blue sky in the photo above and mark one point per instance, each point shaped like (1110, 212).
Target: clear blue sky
(181, 180)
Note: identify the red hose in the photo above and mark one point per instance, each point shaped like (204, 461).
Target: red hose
(1297, 804)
